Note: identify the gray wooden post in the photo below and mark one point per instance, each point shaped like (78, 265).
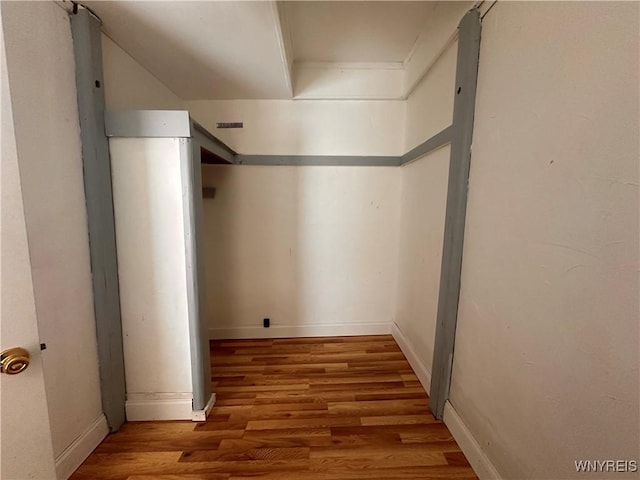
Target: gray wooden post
(99, 198)
(461, 139)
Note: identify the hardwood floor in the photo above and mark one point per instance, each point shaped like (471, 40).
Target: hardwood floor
(347, 408)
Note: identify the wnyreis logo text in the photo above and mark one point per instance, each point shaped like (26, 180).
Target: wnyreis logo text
(600, 466)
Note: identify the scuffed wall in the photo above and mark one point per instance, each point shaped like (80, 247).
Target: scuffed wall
(546, 357)
(311, 248)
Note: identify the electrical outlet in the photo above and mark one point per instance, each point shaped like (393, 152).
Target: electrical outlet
(266, 323)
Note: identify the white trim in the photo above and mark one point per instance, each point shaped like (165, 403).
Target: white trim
(284, 42)
(482, 466)
(350, 65)
(76, 453)
(421, 371)
(141, 407)
(293, 331)
(201, 415)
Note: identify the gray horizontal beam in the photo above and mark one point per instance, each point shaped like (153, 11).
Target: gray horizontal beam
(148, 123)
(439, 140)
(211, 143)
(176, 123)
(319, 160)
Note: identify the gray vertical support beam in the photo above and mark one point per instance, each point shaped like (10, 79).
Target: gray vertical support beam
(461, 139)
(198, 216)
(192, 218)
(99, 198)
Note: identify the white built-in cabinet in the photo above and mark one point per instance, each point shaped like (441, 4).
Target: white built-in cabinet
(157, 199)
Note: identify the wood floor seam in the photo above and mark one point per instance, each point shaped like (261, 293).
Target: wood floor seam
(327, 408)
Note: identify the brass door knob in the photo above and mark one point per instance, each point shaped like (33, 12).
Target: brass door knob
(14, 360)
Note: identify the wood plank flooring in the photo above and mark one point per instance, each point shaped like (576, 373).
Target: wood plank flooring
(335, 408)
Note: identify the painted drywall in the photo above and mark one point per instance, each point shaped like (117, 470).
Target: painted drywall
(546, 357)
(203, 50)
(438, 32)
(348, 81)
(147, 197)
(24, 413)
(423, 204)
(355, 32)
(429, 108)
(38, 39)
(311, 248)
(287, 127)
(129, 86)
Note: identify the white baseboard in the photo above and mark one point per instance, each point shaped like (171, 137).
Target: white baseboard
(76, 453)
(201, 415)
(141, 407)
(469, 445)
(421, 371)
(294, 331)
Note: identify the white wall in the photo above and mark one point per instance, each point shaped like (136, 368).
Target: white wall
(306, 127)
(429, 110)
(423, 204)
(312, 248)
(546, 363)
(438, 32)
(129, 86)
(342, 81)
(147, 203)
(42, 80)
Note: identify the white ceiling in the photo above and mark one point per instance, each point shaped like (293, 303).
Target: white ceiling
(355, 31)
(202, 50)
(247, 49)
